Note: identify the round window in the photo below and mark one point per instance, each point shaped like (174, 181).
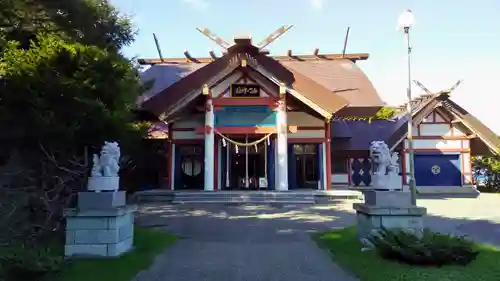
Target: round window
(191, 167)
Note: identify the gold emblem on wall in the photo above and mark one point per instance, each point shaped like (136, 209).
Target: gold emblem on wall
(436, 169)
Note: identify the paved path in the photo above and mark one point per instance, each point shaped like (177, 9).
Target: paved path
(272, 242)
(478, 218)
(245, 242)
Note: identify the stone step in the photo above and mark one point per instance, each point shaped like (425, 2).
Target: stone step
(293, 197)
(152, 197)
(243, 196)
(244, 199)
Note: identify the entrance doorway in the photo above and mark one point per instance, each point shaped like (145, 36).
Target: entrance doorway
(245, 168)
(189, 167)
(306, 165)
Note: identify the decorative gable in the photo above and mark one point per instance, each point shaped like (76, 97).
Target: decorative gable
(240, 85)
(436, 117)
(438, 124)
(429, 118)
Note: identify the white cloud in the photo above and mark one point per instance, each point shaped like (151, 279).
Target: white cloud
(316, 4)
(197, 4)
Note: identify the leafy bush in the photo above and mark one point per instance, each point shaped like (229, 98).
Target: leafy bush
(22, 262)
(427, 248)
(486, 173)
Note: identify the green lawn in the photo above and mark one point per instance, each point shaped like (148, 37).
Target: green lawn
(367, 266)
(147, 242)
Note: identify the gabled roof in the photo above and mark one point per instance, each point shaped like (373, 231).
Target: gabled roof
(190, 86)
(167, 97)
(340, 76)
(425, 104)
(483, 132)
(165, 75)
(357, 135)
(300, 86)
(333, 82)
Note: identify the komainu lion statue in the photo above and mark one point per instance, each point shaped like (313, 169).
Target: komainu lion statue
(381, 157)
(106, 165)
(384, 167)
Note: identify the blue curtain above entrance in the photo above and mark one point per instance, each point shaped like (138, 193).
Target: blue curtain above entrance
(237, 116)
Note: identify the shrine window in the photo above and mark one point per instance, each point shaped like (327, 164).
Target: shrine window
(339, 164)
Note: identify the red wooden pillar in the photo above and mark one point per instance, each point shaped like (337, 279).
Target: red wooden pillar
(328, 154)
(169, 156)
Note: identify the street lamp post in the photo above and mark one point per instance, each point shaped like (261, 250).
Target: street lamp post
(405, 22)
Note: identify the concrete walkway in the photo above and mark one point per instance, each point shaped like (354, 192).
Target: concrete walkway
(477, 218)
(272, 242)
(243, 242)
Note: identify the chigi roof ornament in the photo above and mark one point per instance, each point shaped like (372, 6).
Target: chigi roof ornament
(261, 45)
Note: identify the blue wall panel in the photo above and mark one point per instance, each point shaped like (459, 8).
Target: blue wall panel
(436, 169)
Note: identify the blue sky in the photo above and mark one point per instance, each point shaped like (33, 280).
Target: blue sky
(451, 39)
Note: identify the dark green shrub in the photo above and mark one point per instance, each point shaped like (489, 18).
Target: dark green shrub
(426, 249)
(21, 262)
(491, 167)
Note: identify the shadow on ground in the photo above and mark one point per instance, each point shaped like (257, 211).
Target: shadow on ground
(244, 242)
(244, 222)
(249, 221)
(273, 241)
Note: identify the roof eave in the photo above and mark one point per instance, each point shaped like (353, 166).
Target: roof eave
(494, 147)
(353, 57)
(358, 111)
(163, 113)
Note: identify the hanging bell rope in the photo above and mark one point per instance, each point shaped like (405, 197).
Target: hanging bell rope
(243, 144)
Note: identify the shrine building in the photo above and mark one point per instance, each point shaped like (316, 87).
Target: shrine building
(251, 121)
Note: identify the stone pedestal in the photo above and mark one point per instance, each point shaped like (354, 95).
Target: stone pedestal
(387, 198)
(103, 183)
(99, 232)
(389, 210)
(101, 200)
